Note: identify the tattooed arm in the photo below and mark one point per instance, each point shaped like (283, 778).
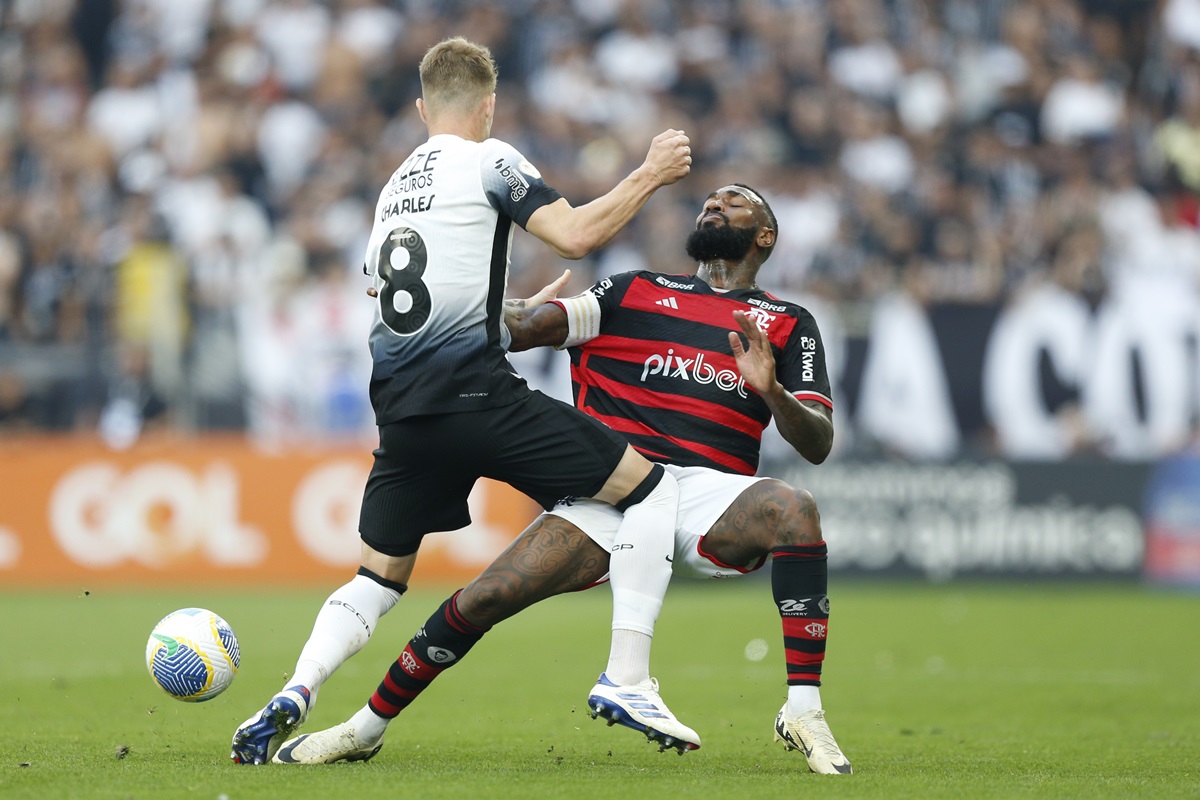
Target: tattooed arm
(536, 322)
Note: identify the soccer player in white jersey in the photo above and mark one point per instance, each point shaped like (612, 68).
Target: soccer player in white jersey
(654, 356)
(450, 408)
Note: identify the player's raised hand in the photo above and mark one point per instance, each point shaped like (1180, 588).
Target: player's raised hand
(755, 360)
(548, 292)
(670, 157)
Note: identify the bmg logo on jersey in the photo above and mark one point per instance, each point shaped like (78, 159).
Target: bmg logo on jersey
(516, 182)
(693, 369)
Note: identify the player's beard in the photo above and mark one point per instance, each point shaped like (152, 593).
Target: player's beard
(720, 243)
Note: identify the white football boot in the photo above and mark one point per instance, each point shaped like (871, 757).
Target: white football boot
(810, 734)
(339, 743)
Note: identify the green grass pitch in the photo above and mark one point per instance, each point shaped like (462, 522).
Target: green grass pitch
(960, 691)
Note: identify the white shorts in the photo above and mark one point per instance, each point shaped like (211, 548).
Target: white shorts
(704, 495)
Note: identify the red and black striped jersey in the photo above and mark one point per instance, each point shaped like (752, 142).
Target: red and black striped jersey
(650, 357)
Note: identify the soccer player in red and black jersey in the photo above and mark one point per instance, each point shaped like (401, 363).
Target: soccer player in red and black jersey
(661, 359)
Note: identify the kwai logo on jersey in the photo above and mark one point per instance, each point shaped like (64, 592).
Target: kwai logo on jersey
(694, 368)
(516, 182)
(808, 346)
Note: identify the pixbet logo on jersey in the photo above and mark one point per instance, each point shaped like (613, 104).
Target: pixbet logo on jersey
(672, 365)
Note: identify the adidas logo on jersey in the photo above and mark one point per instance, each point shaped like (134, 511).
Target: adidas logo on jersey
(668, 302)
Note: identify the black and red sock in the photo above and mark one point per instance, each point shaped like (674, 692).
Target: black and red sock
(799, 582)
(444, 640)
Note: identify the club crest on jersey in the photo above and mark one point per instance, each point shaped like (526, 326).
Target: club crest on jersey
(761, 318)
(672, 365)
(529, 169)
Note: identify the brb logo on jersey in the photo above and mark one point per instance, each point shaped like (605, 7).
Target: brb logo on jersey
(695, 369)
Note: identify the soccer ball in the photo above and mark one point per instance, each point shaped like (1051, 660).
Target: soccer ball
(192, 655)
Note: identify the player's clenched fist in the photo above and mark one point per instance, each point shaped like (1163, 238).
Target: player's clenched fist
(670, 157)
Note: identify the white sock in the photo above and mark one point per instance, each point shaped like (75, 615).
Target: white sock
(639, 573)
(803, 698)
(343, 627)
(368, 725)
(629, 658)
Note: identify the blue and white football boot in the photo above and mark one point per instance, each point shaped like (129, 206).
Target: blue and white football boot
(260, 737)
(640, 707)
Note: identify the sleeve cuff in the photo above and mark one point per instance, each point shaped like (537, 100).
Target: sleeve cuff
(583, 319)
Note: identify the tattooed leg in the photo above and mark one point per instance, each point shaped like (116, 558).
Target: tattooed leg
(550, 557)
(767, 515)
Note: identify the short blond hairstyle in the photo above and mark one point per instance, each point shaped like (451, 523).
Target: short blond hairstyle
(457, 73)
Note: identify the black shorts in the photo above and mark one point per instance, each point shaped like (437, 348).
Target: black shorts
(426, 466)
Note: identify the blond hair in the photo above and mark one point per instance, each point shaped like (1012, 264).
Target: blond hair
(457, 73)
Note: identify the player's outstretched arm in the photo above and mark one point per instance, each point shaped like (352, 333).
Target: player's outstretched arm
(575, 232)
(807, 426)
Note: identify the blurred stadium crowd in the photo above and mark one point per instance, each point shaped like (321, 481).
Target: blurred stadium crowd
(188, 186)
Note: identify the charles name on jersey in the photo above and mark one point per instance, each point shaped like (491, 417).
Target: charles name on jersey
(407, 205)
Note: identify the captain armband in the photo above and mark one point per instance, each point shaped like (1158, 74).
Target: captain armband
(583, 319)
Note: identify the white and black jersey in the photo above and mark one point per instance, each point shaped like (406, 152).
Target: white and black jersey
(439, 254)
(650, 357)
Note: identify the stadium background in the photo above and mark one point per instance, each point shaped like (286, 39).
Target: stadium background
(991, 207)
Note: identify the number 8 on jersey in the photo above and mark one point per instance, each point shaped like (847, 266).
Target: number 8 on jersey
(404, 301)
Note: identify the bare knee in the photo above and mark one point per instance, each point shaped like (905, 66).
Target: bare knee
(488, 600)
(791, 514)
(397, 569)
(767, 515)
